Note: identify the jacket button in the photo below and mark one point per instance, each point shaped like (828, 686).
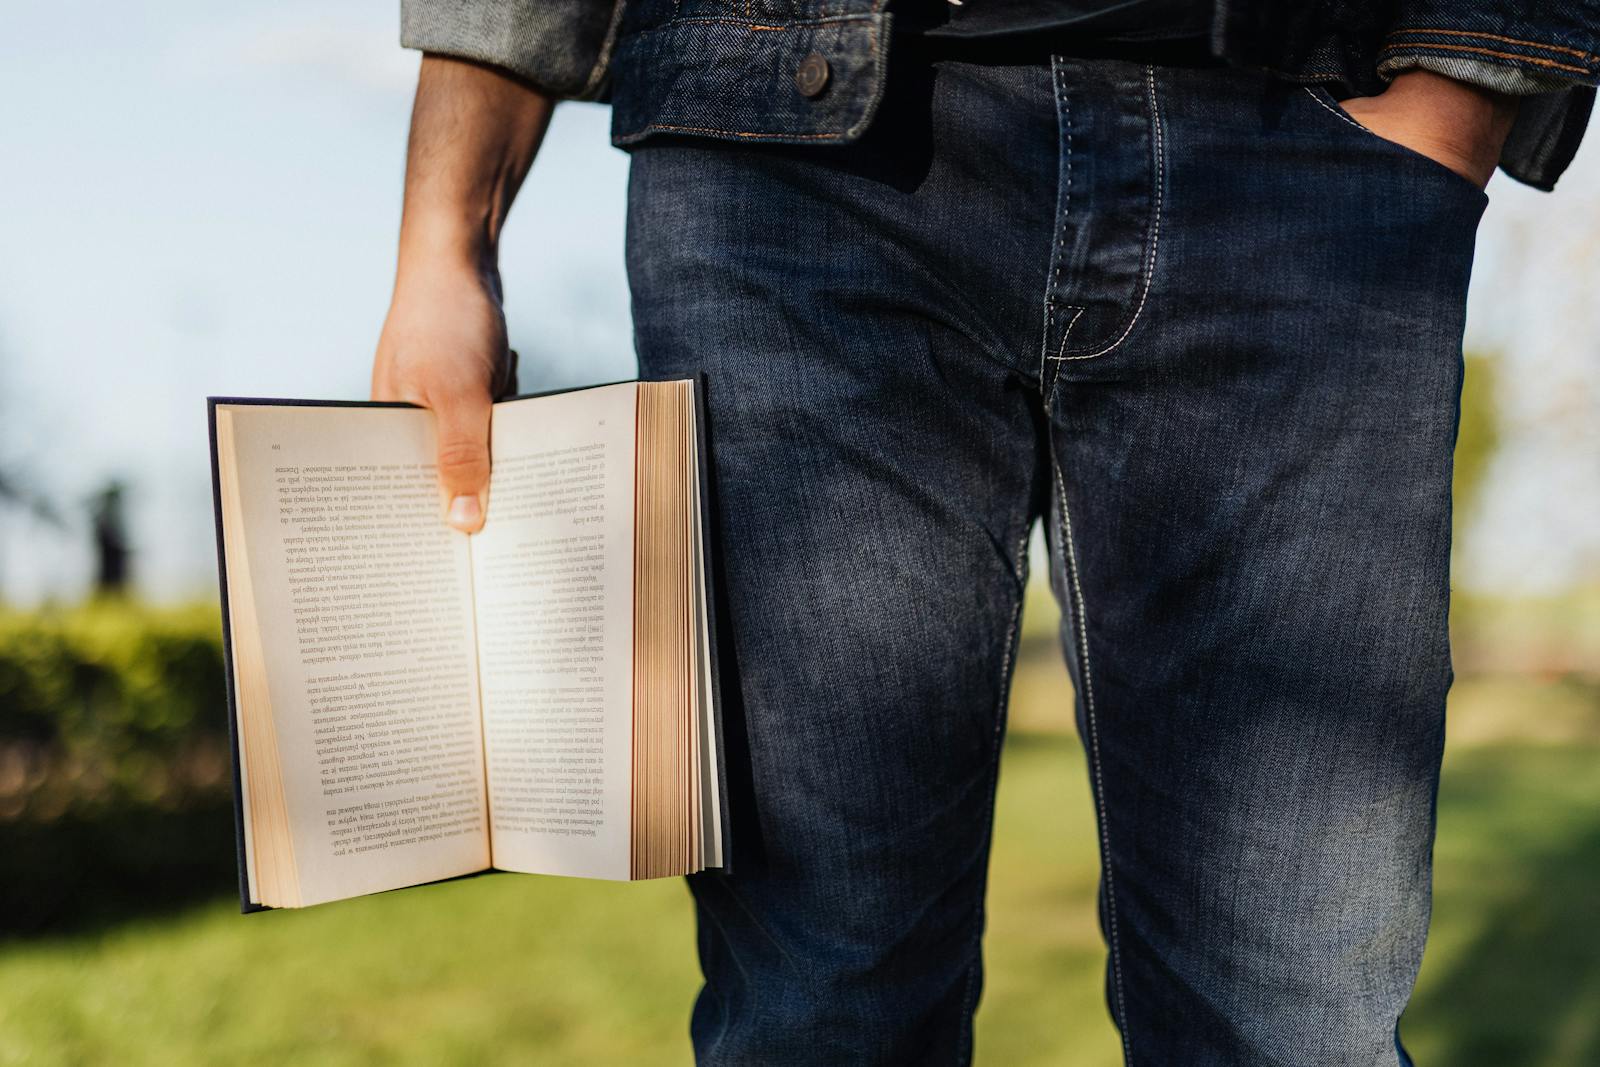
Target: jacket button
(811, 77)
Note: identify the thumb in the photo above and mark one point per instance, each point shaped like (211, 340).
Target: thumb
(463, 432)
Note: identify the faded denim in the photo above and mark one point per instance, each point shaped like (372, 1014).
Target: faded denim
(1209, 331)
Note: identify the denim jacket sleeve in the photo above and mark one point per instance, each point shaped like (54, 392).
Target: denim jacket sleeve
(563, 47)
(1545, 51)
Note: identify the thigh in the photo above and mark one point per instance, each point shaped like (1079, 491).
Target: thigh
(1252, 524)
(876, 459)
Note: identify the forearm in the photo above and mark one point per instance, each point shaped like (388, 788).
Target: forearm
(474, 133)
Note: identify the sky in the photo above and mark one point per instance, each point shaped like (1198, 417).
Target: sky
(198, 199)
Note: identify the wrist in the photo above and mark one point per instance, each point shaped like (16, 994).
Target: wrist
(448, 250)
(453, 233)
(1472, 112)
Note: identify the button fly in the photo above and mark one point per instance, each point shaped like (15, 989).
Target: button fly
(811, 77)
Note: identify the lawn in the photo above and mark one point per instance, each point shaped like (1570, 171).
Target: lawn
(507, 968)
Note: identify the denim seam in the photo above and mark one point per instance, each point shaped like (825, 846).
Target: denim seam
(1058, 252)
(1081, 625)
(1335, 112)
(1155, 232)
(751, 135)
(1008, 670)
(1580, 53)
(602, 63)
(821, 22)
(1414, 47)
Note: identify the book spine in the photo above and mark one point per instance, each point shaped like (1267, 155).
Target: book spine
(246, 905)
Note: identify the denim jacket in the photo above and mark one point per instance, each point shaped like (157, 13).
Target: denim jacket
(812, 71)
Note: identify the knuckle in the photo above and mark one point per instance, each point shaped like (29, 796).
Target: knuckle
(463, 457)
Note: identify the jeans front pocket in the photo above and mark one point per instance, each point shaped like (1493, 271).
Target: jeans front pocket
(1336, 110)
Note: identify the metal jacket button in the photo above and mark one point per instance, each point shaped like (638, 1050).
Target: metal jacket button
(811, 77)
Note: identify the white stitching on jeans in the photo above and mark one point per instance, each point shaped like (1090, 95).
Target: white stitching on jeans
(1155, 235)
(1063, 212)
(1335, 112)
(1008, 668)
(1081, 625)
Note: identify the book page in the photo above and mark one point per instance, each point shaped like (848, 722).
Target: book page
(553, 582)
(364, 605)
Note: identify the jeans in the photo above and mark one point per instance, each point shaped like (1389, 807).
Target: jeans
(1208, 329)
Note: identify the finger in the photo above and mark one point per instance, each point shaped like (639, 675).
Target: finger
(463, 457)
(382, 385)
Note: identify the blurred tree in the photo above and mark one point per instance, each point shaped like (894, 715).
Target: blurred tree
(110, 539)
(15, 493)
(16, 487)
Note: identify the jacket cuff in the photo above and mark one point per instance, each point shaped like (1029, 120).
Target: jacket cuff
(561, 47)
(1540, 59)
(1485, 74)
(1547, 54)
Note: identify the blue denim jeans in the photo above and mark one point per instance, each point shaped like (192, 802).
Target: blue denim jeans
(1208, 329)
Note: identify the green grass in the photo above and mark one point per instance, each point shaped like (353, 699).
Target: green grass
(1512, 970)
(510, 969)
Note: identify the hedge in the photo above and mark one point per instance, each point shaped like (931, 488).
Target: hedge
(114, 765)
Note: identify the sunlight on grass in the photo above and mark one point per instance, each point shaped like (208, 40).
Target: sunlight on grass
(521, 969)
(502, 967)
(509, 968)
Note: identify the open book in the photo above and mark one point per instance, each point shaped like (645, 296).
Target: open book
(409, 703)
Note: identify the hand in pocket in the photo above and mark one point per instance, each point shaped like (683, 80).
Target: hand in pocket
(1457, 125)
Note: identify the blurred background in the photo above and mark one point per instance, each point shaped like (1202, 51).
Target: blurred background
(202, 198)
